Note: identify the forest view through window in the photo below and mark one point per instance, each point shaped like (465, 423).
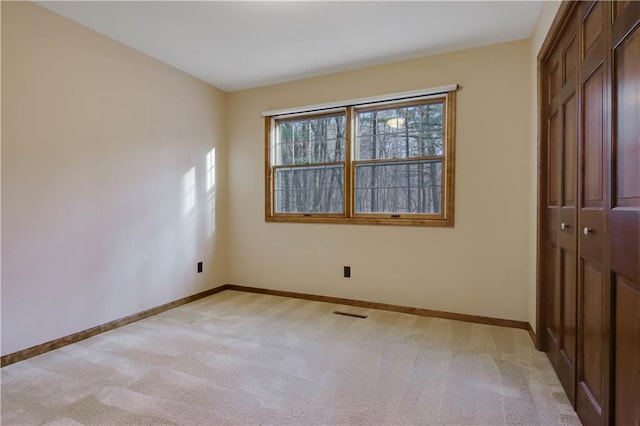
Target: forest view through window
(388, 163)
(309, 170)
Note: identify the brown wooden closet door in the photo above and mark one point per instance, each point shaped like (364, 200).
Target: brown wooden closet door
(590, 208)
(593, 283)
(562, 198)
(624, 216)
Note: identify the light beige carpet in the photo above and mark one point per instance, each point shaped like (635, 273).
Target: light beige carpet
(241, 358)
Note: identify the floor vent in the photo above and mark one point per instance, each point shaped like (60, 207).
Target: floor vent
(347, 314)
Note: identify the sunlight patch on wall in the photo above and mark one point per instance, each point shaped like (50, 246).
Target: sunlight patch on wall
(211, 169)
(211, 192)
(189, 191)
(190, 213)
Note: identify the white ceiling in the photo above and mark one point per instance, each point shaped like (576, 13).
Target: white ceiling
(236, 45)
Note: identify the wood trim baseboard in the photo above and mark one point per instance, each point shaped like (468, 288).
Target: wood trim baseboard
(387, 307)
(85, 334)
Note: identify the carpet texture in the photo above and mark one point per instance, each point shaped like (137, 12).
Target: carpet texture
(242, 358)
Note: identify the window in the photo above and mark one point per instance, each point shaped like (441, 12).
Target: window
(309, 165)
(389, 162)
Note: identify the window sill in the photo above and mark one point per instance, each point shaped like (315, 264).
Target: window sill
(392, 221)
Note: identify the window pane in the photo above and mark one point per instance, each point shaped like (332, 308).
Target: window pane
(400, 132)
(309, 190)
(402, 187)
(311, 140)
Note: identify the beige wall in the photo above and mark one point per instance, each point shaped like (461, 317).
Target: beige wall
(96, 141)
(479, 267)
(540, 31)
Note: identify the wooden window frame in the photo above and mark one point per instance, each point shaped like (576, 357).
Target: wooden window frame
(444, 219)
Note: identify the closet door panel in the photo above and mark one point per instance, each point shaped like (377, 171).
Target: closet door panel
(627, 155)
(570, 148)
(593, 297)
(569, 306)
(593, 140)
(555, 139)
(592, 28)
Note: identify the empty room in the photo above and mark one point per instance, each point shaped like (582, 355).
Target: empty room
(320, 212)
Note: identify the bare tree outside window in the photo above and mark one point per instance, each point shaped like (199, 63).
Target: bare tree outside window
(310, 155)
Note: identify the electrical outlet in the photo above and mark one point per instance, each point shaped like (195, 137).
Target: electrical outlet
(199, 267)
(347, 271)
